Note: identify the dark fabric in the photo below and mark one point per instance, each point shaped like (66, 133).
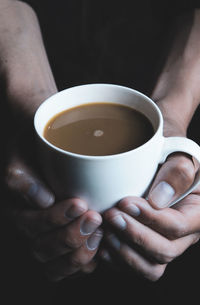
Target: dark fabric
(122, 42)
(107, 41)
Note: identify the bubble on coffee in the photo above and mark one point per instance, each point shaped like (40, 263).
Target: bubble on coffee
(98, 133)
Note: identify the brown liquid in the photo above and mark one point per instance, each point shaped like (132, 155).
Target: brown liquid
(98, 129)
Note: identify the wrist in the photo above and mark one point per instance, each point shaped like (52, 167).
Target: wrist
(177, 107)
(176, 115)
(24, 95)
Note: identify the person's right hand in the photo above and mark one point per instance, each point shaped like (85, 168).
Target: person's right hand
(64, 236)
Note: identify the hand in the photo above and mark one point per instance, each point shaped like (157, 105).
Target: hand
(147, 235)
(64, 236)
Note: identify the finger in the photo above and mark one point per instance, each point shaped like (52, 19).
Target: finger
(174, 223)
(34, 222)
(149, 242)
(89, 268)
(68, 238)
(24, 182)
(79, 259)
(111, 258)
(173, 179)
(105, 255)
(141, 265)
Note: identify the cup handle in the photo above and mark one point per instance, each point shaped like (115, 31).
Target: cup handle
(181, 144)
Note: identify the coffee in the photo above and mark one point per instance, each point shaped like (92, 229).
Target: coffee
(98, 129)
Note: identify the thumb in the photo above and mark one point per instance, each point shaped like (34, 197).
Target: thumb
(173, 179)
(23, 181)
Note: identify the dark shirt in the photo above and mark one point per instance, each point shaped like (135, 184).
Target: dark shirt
(107, 41)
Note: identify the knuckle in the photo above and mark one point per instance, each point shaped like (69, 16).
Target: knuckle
(196, 240)
(79, 259)
(75, 263)
(125, 202)
(52, 219)
(111, 213)
(155, 274)
(140, 241)
(71, 242)
(89, 267)
(179, 230)
(185, 170)
(167, 256)
(164, 258)
(12, 175)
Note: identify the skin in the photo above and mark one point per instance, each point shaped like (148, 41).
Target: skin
(151, 237)
(65, 235)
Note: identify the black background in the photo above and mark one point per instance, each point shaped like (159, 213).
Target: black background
(121, 42)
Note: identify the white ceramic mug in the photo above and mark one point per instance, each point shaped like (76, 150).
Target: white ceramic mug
(103, 180)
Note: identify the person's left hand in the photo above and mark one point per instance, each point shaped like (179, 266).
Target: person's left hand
(146, 234)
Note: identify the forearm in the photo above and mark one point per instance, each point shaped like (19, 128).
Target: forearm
(24, 67)
(177, 91)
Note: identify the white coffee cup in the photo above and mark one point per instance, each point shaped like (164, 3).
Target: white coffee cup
(104, 180)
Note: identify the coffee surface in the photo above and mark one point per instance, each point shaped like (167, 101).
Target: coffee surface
(98, 129)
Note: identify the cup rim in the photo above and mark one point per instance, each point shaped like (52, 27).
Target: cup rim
(96, 157)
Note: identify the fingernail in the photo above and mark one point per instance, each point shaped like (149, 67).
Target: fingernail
(89, 226)
(133, 210)
(38, 194)
(119, 222)
(94, 240)
(105, 255)
(162, 194)
(75, 211)
(114, 241)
